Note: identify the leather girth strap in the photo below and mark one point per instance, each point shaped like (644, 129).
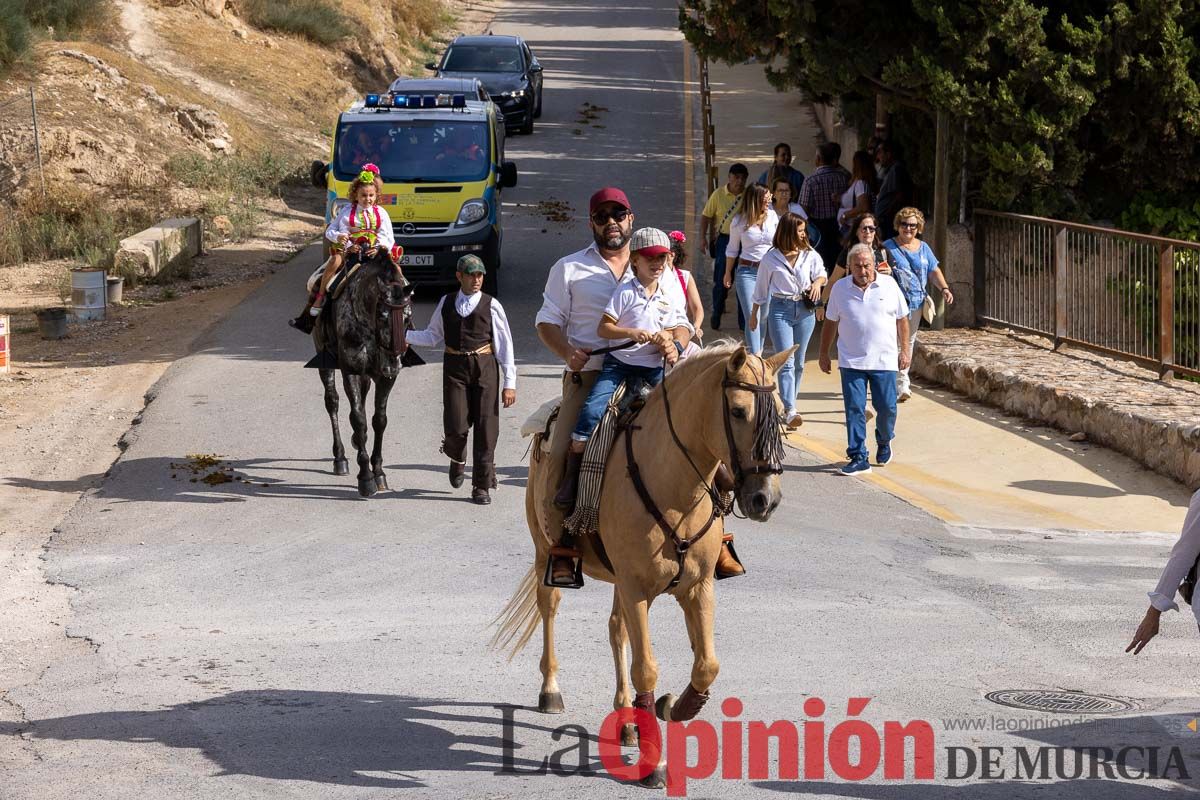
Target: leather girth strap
(681, 545)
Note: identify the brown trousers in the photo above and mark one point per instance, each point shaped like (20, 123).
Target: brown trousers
(573, 397)
(471, 399)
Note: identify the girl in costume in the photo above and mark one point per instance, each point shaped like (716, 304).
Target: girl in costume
(360, 228)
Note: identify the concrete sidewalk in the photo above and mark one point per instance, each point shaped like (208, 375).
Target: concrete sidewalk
(960, 460)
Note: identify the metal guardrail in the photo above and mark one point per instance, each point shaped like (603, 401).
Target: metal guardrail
(710, 133)
(1117, 292)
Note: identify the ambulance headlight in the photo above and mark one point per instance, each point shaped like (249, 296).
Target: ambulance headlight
(472, 211)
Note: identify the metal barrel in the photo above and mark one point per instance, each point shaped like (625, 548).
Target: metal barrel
(89, 293)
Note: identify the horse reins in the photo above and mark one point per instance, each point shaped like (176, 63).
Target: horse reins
(577, 379)
(766, 421)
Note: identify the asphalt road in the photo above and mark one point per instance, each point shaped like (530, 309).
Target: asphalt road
(279, 637)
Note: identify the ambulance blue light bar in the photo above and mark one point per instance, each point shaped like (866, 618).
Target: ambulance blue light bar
(415, 101)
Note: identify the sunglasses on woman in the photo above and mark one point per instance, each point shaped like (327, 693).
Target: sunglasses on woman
(868, 228)
(616, 215)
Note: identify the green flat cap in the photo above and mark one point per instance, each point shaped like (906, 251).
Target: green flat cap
(471, 265)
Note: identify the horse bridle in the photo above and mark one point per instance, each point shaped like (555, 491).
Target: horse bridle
(766, 422)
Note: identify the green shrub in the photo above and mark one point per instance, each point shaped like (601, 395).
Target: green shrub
(14, 32)
(316, 20)
(20, 18)
(245, 175)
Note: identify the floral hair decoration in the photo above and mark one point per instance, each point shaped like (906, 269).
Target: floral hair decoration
(677, 236)
(369, 173)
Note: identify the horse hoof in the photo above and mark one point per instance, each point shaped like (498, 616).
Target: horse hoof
(656, 778)
(629, 737)
(341, 466)
(551, 703)
(367, 488)
(381, 483)
(664, 706)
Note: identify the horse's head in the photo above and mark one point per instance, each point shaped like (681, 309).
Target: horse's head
(752, 418)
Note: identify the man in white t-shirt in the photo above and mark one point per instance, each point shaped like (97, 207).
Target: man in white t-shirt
(868, 314)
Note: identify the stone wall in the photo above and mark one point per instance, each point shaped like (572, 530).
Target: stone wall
(1113, 403)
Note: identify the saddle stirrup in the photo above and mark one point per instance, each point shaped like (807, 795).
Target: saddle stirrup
(576, 578)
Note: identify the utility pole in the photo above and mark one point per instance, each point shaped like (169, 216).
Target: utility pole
(941, 201)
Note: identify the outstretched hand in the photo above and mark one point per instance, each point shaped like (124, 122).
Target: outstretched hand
(1146, 631)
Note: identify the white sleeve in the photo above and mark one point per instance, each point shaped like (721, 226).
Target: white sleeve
(504, 346)
(902, 309)
(432, 336)
(817, 271)
(762, 281)
(1183, 555)
(832, 307)
(556, 298)
(736, 228)
(339, 225)
(616, 305)
(386, 238)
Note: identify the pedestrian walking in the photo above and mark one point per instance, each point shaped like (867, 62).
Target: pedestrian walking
(789, 283)
(715, 220)
(782, 201)
(869, 316)
(782, 168)
(914, 267)
(1179, 575)
(863, 230)
(750, 235)
(478, 372)
(895, 187)
(821, 197)
(859, 199)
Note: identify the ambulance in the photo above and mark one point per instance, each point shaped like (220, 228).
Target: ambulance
(439, 146)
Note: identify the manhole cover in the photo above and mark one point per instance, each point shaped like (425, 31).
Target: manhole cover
(1059, 702)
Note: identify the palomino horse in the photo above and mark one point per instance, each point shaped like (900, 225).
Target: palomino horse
(718, 406)
(358, 332)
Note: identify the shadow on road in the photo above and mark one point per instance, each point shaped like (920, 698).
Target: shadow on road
(368, 740)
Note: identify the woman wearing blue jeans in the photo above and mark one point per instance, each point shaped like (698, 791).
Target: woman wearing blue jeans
(789, 281)
(751, 232)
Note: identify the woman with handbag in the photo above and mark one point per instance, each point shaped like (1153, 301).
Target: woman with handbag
(750, 235)
(914, 267)
(789, 282)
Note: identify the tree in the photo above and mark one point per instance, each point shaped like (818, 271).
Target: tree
(1058, 95)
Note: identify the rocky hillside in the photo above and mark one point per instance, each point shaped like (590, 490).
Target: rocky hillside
(195, 77)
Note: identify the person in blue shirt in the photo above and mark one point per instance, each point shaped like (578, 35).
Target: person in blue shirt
(782, 168)
(914, 268)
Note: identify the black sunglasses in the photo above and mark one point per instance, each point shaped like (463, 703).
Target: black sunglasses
(616, 215)
(868, 228)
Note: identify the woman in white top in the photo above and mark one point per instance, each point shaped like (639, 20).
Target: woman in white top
(1174, 574)
(859, 199)
(751, 231)
(782, 194)
(789, 280)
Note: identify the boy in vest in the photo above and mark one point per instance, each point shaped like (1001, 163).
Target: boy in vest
(478, 372)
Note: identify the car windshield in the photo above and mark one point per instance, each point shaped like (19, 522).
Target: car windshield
(483, 58)
(409, 151)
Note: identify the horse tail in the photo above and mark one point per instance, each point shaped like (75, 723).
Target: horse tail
(519, 619)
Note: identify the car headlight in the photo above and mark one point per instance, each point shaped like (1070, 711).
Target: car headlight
(472, 211)
(515, 95)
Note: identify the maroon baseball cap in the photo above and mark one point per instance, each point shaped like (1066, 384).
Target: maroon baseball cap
(609, 194)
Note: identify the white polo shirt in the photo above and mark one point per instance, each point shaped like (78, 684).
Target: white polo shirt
(578, 290)
(867, 322)
(633, 307)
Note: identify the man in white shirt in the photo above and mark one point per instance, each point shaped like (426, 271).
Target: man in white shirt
(869, 315)
(474, 329)
(578, 290)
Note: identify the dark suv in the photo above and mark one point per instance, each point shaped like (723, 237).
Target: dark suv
(508, 70)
